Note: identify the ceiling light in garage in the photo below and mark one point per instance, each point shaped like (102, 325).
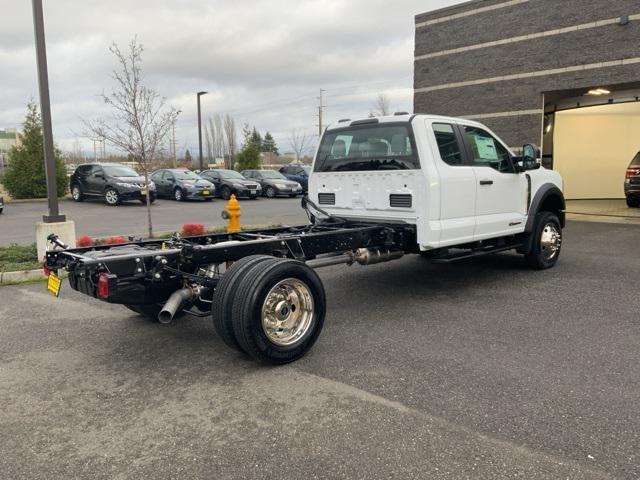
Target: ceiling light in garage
(598, 91)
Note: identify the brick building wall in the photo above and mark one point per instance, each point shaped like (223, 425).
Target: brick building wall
(492, 60)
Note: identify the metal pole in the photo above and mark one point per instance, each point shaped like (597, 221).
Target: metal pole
(200, 132)
(45, 109)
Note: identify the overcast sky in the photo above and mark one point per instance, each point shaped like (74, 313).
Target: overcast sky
(262, 61)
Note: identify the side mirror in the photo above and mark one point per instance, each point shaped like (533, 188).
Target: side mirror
(529, 158)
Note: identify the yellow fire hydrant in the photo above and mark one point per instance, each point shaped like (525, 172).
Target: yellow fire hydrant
(231, 212)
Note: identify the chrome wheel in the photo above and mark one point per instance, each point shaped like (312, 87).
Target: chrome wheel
(177, 194)
(287, 312)
(111, 197)
(550, 241)
(271, 192)
(75, 193)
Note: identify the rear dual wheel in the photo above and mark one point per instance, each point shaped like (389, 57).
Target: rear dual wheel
(272, 309)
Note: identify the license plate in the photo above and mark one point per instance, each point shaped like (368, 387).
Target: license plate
(143, 192)
(205, 192)
(253, 192)
(53, 284)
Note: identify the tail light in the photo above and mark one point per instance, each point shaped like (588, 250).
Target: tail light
(106, 285)
(632, 172)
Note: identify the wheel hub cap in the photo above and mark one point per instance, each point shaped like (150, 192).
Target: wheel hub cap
(287, 312)
(550, 241)
(112, 197)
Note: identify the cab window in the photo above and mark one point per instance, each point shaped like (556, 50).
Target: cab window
(448, 145)
(487, 151)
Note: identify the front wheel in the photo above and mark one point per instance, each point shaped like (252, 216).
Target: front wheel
(225, 193)
(546, 241)
(112, 197)
(270, 192)
(278, 312)
(178, 195)
(633, 202)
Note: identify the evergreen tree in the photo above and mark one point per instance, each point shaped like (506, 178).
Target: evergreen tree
(256, 139)
(25, 175)
(249, 155)
(269, 144)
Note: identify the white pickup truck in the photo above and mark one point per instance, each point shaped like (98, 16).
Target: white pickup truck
(381, 188)
(454, 179)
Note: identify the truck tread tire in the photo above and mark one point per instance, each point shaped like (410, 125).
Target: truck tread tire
(224, 297)
(259, 283)
(543, 254)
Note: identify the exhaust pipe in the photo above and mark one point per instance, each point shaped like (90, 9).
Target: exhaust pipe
(363, 256)
(174, 304)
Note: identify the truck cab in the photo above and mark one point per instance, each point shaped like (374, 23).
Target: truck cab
(453, 178)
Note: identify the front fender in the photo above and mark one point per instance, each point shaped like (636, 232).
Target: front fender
(547, 195)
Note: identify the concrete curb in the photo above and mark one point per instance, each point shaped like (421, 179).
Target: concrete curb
(11, 278)
(8, 201)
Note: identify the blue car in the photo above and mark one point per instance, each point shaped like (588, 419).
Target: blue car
(297, 173)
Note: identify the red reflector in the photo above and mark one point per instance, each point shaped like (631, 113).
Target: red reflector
(103, 285)
(45, 269)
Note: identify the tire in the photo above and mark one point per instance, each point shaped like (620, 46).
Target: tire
(76, 193)
(224, 297)
(264, 284)
(546, 241)
(225, 193)
(633, 202)
(178, 195)
(112, 197)
(293, 195)
(270, 192)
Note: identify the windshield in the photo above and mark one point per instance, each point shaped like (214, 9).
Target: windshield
(185, 175)
(379, 147)
(272, 174)
(231, 174)
(120, 171)
(636, 161)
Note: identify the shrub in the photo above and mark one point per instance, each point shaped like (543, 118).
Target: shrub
(115, 240)
(192, 229)
(84, 241)
(19, 257)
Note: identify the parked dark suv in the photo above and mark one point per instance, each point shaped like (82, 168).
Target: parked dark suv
(112, 181)
(297, 173)
(181, 184)
(632, 182)
(273, 183)
(230, 182)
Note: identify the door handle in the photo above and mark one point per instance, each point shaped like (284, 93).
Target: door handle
(486, 182)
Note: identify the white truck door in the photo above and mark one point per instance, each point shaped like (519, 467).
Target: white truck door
(457, 182)
(501, 194)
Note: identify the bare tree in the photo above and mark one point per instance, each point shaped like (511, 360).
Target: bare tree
(140, 120)
(300, 143)
(230, 140)
(381, 107)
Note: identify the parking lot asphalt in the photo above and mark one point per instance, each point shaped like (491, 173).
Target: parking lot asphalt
(96, 219)
(482, 369)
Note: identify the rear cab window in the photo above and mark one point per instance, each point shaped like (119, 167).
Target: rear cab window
(385, 146)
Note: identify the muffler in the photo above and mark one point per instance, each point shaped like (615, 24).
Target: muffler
(371, 256)
(174, 304)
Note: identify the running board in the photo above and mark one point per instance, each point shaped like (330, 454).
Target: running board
(476, 253)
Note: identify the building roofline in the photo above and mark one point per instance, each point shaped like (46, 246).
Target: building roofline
(449, 9)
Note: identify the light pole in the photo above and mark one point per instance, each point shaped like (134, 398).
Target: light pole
(45, 109)
(199, 131)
